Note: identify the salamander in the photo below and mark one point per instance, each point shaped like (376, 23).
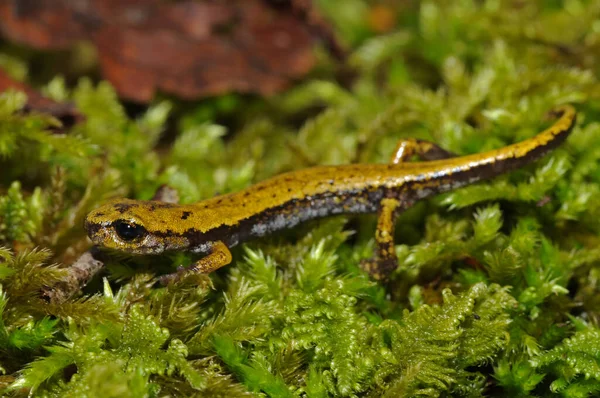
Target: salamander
(212, 226)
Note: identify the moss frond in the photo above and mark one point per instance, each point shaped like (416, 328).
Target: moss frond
(431, 347)
(253, 371)
(244, 317)
(20, 218)
(133, 349)
(575, 360)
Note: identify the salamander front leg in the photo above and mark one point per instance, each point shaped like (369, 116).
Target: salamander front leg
(217, 258)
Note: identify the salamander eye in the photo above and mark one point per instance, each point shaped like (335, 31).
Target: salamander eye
(128, 230)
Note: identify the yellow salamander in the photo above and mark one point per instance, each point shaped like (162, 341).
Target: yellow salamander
(212, 226)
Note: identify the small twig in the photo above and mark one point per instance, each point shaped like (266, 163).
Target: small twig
(78, 275)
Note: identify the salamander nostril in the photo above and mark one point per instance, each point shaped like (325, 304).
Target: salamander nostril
(128, 230)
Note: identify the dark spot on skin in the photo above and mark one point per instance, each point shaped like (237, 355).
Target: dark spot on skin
(99, 214)
(170, 232)
(152, 208)
(289, 189)
(219, 201)
(331, 182)
(185, 215)
(123, 207)
(274, 195)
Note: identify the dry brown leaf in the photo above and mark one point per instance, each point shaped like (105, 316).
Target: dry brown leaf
(65, 112)
(187, 48)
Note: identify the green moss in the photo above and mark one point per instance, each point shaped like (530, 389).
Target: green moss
(498, 285)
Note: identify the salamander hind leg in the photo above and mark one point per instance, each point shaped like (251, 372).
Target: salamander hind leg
(217, 258)
(426, 150)
(384, 261)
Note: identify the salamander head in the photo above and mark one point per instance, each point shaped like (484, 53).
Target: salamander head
(133, 226)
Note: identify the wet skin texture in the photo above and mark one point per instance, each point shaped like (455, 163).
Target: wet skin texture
(214, 225)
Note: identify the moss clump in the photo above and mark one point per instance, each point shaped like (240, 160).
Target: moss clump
(496, 293)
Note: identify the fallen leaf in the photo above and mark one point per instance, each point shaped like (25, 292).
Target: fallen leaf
(64, 111)
(187, 48)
